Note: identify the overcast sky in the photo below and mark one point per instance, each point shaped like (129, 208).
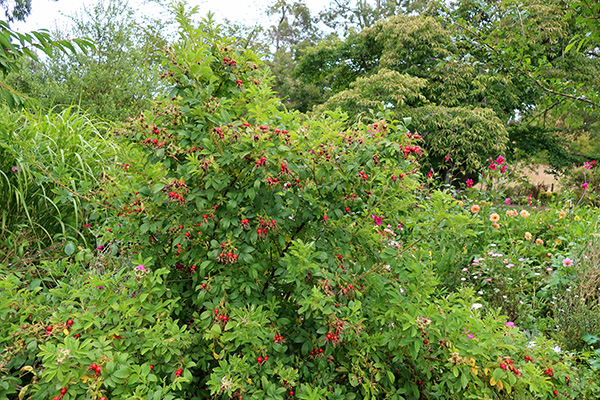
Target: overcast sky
(49, 14)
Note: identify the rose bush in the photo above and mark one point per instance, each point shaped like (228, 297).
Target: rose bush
(283, 257)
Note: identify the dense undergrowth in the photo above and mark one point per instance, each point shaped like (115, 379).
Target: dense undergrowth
(219, 246)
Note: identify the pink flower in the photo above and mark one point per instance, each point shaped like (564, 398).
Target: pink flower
(470, 183)
(141, 267)
(470, 336)
(507, 201)
(584, 186)
(447, 157)
(493, 166)
(510, 324)
(378, 220)
(500, 160)
(567, 262)
(503, 168)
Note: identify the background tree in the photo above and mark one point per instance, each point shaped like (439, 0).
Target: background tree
(117, 79)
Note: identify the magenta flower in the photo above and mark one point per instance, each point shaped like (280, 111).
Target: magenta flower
(493, 166)
(507, 201)
(378, 220)
(447, 157)
(510, 324)
(584, 186)
(500, 160)
(470, 183)
(141, 267)
(470, 336)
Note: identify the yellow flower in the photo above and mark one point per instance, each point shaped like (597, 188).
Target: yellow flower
(524, 213)
(475, 208)
(495, 225)
(494, 217)
(562, 214)
(460, 204)
(528, 236)
(539, 242)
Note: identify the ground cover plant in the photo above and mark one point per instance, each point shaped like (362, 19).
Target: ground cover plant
(233, 249)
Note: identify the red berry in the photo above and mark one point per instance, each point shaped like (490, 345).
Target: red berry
(98, 370)
(94, 366)
(49, 329)
(151, 367)
(70, 322)
(56, 398)
(347, 209)
(291, 392)
(259, 359)
(503, 366)
(329, 336)
(555, 392)
(325, 217)
(425, 341)
(102, 398)
(63, 390)
(266, 358)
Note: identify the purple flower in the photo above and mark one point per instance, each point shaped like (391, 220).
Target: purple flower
(15, 169)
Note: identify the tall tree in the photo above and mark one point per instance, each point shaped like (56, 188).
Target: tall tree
(117, 79)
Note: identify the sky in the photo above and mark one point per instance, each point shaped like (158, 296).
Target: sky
(47, 14)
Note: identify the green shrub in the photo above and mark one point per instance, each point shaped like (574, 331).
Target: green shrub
(284, 257)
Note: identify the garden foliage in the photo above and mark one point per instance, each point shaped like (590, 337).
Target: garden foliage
(275, 256)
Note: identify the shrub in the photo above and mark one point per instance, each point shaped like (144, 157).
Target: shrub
(287, 258)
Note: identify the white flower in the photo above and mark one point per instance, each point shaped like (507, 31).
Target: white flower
(557, 349)
(476, 306)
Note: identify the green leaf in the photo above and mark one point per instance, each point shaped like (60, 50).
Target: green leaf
(69, 248)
